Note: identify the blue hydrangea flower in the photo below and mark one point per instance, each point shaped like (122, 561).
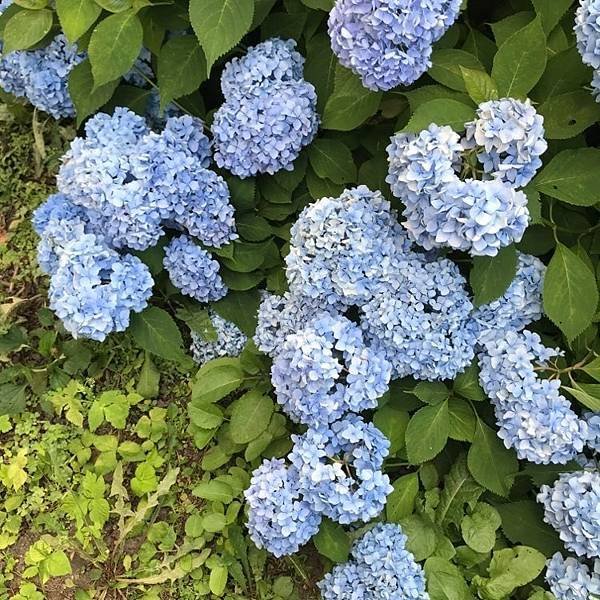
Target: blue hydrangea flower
(339, 469)
(279, 518)
(572, 507)
(519, 306)
(509, 137)
(230, 341)
(593, 422)
(4, 4)
(41, 75)
(94, 289)
(326, 370)
(193, 270)
(380, 567)
(281, 316)
(155, 116)
(388, 42)
(343, 249)
(270, 61)
(532, 415)
(571, 579)
(264, 129)
(423, 326)
(587, 32)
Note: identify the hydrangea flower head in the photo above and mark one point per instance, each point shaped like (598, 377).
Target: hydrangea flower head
(339, 469)
(532, 415)
(41, 75)
(593, 422)
(193, 270)
(264, 129)
(230, 341)
(423, 327)
(388, 42)
(509, 137)
(570, 579)
(279, 518)
(572, 507)
(343, 249)
(325, 370)
(93, 289)
(380, 567)
(587, 32)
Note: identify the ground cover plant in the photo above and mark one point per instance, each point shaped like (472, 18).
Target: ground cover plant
(299, 299)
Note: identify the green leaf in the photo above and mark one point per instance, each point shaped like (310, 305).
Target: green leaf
(462, 420)
(320, 67)
(241, 308)
(220, 25)
(401, 502)
(253, 228)
(218, 579)
(76, 16)
(479, 528)
(551, 12)
(565, 72)
(331, 159)
(509, 569)
(587, 394)
(567, 115)
(206, 416)
(115, 6)
(392, 422)
(216, 379)
(480, 86)
(214, 491)
(571, 177)
(520, 61)
(145, 480)
(155, 330)
(12, 398)
(441, 112)
(148, 383)
(350, 104)
(115, 44)
(181, 68)
(447, 64)
(332, 541)
(491, 464)
(25, 29)
(58, 564)
(467, 384)
(427, 433)
(523, 522)
(593, 369)
(214, 522)
(431, 392)
(570, 292)
(445, 581)
(250, 416)
(491, 276)
(421, 534)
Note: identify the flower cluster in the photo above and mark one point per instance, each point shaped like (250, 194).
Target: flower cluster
(571, 579)
(120, 188)
(532, 415)
(388, 42)
(476, 216)
(381, 567)
(587, 32)
(572, 507)
(41, 75)
(269, 113)
(226, 340)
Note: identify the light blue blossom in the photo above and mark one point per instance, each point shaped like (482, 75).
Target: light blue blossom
(41, 75)
(270, 61)
(279, 518)
(339, 468)
(343, 249)
(519, 306)
(532, 415)
(388, 42)
(423, 325)
(325, 370)
(571, 579)
(593, 422)
(192, 270)
(230, 340)
(509, 138)
(264, 129)
(572, 507)
(93, 289)
(587, 32)
(380, 568)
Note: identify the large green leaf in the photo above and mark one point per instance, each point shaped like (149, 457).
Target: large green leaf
(216, 379)
(441, 112)
(332, 541)
(220, 25)
(445, 581)
(551, 11)
(250, 416)
(491, 276)
(332, 159)
(25, 29)
(427, 432)
(77, 16)
(401, 502)
(567, 115)
(446, 67)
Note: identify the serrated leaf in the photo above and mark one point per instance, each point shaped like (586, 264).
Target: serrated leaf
(12, 398)
(427, 433)
(250, 416)
(320, 67)
(587, 394)
(491, 276)
(216, 379)
(593, 369)
(220, 25)
(571, 177)
(331, 159)
(392, 422)
(217, 580)
(551, 11)
(570, 292)
(25, 29)
(401, 502)
(462, 420)
(446, 67)
(467, 385)
(567, 115)
(520, 61)
(181, 68)
(253, 228)
(155, 330)
(445, 581)
(214, 491)
(441, 112)
(206, 416)
(431, 392)
(76, 16)
(480, 86)
(332, 541)
(479, 527)
(148, 383)
(421, 534)
(241, 308)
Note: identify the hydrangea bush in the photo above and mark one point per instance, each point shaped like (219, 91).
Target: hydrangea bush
(374, 225)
